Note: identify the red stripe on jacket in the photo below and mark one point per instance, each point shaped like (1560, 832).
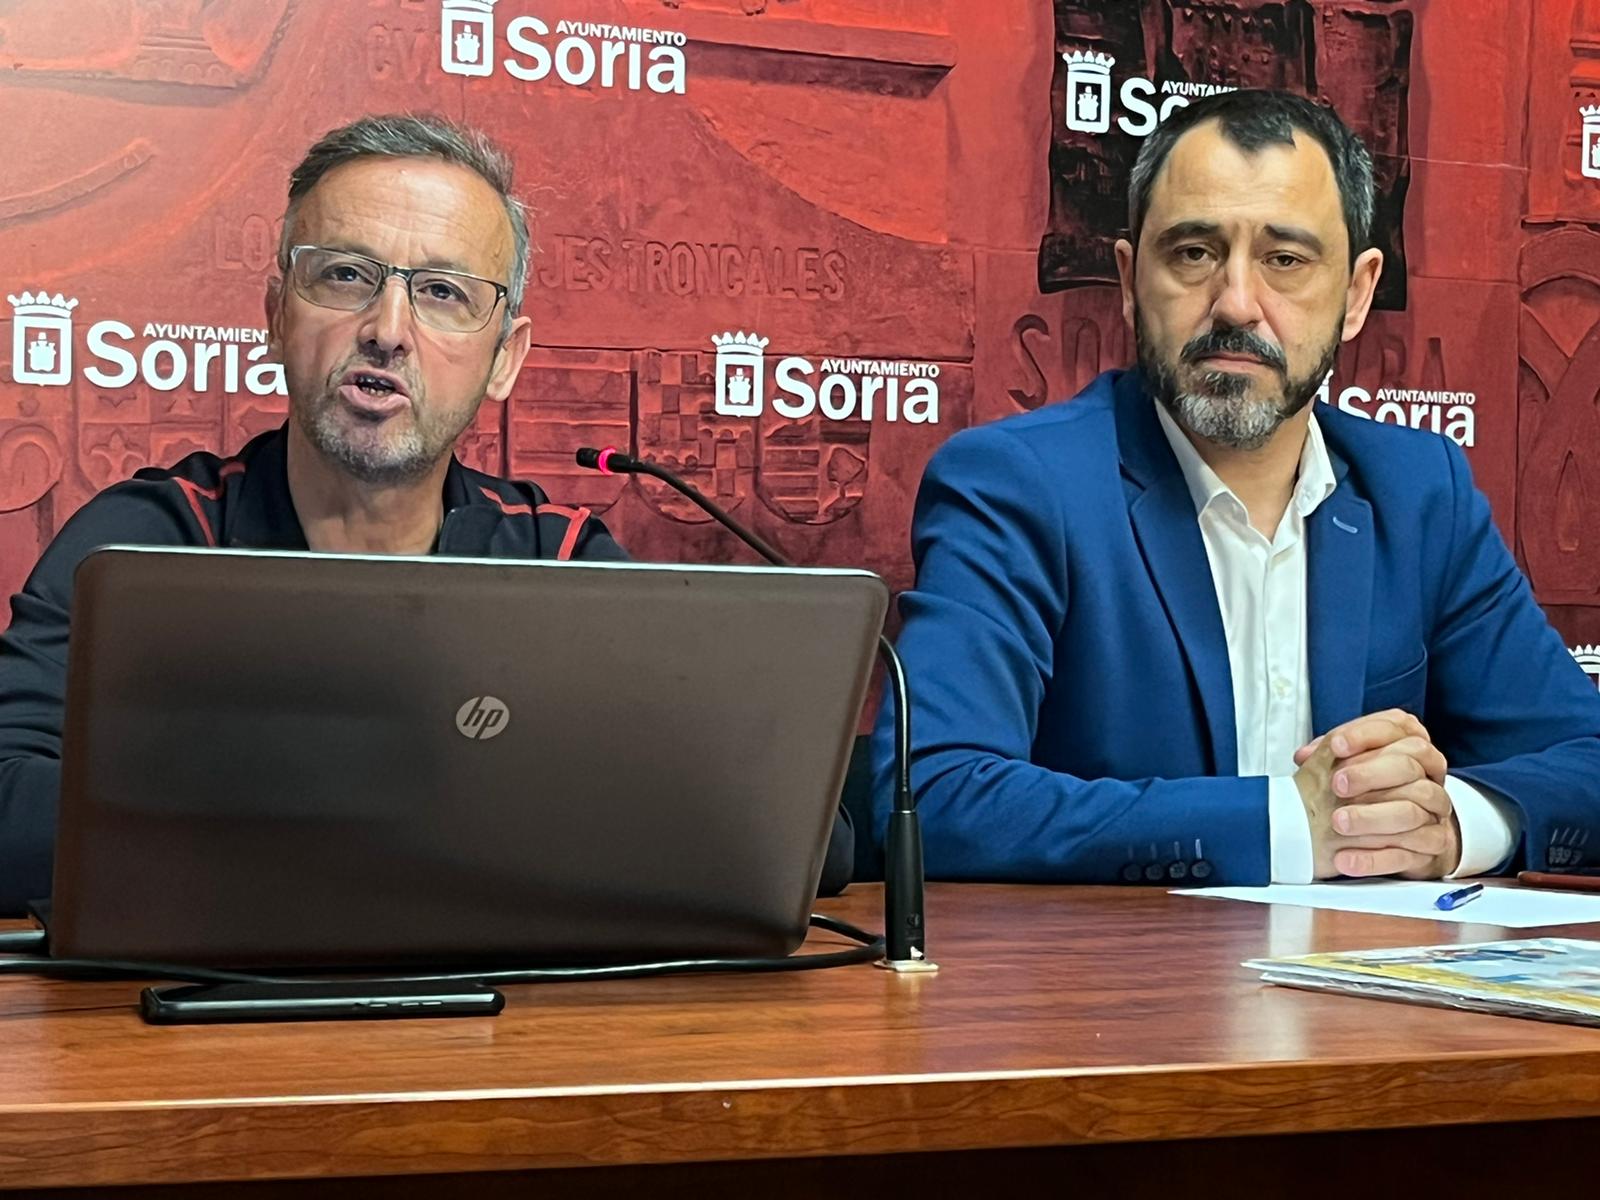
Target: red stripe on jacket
(575, 519)
(192, 492)
(525, 509)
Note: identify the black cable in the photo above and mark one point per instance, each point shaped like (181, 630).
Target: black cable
(843, 928)
(896, 671)
(870, 949)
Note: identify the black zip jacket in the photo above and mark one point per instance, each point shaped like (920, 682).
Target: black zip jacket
(205, 501)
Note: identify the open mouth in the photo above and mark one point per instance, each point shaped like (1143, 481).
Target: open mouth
(372, 385)
(373, 396)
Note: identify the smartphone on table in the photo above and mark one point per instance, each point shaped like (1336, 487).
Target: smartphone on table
(318, 1000)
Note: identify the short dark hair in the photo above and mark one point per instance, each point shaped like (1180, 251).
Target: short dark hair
(1252, 118)
(417, 135)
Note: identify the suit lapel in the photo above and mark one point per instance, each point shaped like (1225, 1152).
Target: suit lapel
(1339, 553)
(1164, 523)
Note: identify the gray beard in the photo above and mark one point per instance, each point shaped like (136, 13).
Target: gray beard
(1221, 414)
(392, 460)
(1229, 420)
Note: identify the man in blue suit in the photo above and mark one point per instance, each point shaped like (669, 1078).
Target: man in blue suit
(1181, 628)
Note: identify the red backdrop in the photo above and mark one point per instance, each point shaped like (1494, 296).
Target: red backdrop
(907, 201)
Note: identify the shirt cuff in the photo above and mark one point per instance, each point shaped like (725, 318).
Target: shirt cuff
(1289, 831)
(1491, 827)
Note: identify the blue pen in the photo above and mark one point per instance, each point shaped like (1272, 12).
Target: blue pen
(1455, 899)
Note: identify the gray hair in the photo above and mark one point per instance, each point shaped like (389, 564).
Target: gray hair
(1252, 118)
(417, 136)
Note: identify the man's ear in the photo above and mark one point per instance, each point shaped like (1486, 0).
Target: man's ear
(508, 359)
(1363, 287)
(1124, 253)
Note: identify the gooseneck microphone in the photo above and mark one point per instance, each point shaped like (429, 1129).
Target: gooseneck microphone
(905, 932)
(612, 461)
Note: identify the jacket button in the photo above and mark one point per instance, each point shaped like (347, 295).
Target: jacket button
(1155, 873)
(1131, 873)
(1177, 870)
(1200, 869)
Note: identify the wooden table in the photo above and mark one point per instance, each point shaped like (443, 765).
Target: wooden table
(1105, 1039)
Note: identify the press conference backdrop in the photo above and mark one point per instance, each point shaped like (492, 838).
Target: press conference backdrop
(787, 247)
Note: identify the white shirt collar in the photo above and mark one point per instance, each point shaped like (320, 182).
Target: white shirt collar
(1314, 483)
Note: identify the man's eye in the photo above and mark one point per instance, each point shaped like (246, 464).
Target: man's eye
(344, 273)
(1193, 254)
(445, 293)
(1284, 261)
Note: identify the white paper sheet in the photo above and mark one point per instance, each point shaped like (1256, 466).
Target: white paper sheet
(1509, 906)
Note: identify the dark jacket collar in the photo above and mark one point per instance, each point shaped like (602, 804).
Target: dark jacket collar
(263, 518)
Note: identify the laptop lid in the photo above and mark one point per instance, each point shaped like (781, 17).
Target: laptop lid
(278, 758)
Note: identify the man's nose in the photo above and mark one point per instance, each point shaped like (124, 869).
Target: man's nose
(388, 320)
(1237, 301)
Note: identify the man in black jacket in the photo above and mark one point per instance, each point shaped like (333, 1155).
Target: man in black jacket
(403, 263)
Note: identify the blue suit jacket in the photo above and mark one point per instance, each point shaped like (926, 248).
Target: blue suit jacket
(1072, 708)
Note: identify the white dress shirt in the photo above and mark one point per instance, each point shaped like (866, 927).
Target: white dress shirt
(1261, 591)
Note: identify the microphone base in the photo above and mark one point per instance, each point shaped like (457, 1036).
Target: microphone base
(907, 966)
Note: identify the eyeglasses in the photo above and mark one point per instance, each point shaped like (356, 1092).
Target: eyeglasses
(450, 301)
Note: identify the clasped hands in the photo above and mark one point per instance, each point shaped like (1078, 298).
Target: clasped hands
(1374, 793)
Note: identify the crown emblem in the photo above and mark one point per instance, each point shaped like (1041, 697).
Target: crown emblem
(752, 341)
(1591, 113)
(1588, 657)
(42, 305)
(1089, 60)
(741, 382)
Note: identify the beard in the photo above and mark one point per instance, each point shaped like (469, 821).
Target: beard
(395, 449)
(1218, 405)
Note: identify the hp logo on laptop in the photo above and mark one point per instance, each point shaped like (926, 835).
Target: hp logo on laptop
(482, 718)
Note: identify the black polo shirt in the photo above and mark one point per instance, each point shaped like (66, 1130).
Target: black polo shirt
(205, 500)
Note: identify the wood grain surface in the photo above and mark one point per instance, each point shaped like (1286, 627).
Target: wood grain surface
(1062, 1016)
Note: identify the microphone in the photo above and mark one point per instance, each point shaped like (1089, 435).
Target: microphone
(905, 931)
(612, 461)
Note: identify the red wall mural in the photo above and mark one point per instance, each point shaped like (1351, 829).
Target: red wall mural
(789, 246)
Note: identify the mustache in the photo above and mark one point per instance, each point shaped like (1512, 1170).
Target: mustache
(1234, 341)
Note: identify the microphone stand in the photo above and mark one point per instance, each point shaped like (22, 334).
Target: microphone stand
(905, 932)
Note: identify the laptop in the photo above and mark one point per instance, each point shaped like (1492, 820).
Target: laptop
(289, 759)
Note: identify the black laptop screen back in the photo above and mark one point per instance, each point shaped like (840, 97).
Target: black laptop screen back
(297, 759)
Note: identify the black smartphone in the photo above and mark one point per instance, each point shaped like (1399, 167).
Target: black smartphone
(320, 1000)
